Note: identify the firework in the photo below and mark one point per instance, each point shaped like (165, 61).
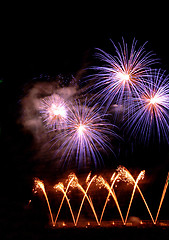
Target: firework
(126, 176)
(98, 182)
(40, 185)
(102, 182)
(121, 76)
(140, 176)
(86, 133)
(60, 187)
(151, 110)
(54, 111)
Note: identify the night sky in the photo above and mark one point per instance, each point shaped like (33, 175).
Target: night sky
(37, 45)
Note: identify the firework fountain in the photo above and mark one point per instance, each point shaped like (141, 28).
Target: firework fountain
(122, 174)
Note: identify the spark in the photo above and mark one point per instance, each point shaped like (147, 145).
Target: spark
(88, 177)
(124, 175)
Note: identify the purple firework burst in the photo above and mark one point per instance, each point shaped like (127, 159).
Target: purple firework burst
(85, 136)
(151, 109)
(54, 111)
(121, 76)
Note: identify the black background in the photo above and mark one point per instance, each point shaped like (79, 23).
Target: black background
(57, 39)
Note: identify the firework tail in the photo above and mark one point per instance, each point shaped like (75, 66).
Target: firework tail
(108, 195)
(162, 197)
(91, 204)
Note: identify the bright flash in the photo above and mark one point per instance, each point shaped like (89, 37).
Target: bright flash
(153, 100)
(58, 110)
(123, 76)
(54, 111)
(81, 128)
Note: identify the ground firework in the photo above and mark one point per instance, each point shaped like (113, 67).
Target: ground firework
(151, 109)
(120, 76)
(85, 136)
(54, 111)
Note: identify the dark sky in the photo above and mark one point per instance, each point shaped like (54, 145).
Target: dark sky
(55, 40)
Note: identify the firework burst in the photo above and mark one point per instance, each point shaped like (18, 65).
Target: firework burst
(54, 111)
(120, 77)
(85, 135)
(151, 109)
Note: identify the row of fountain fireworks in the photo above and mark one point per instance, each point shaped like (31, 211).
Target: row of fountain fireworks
(72, 182)
(125, 84)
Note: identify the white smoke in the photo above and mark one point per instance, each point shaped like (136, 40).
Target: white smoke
(31, 119)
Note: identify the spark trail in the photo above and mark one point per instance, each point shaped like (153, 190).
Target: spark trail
(39, 184)
(61, 188)
(104, 183)
(162, 197)
(140, 176)
(90, 202)
(114, 178)
(126, 176)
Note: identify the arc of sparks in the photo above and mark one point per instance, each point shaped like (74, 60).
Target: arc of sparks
(129, 177)
(40, 184)
(162, 197)
(73, 181)
(112, 193)
(85, 196)
(148, 209)
(134, 189)
(108, 195)
(89, 200)
(61, 188)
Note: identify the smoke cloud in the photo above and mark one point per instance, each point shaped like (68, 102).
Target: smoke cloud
(32, 121)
